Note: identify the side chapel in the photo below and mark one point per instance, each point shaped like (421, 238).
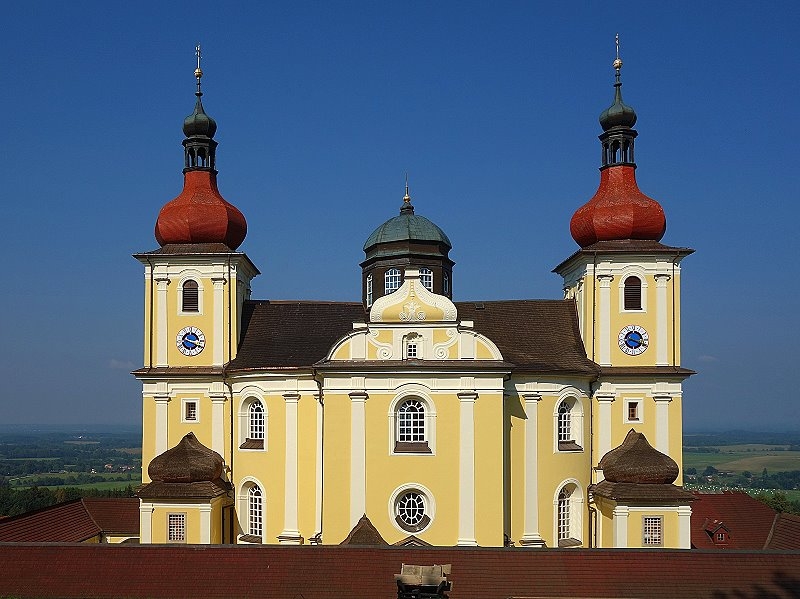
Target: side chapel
(409, 417)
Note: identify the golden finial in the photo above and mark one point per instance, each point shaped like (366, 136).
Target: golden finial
(198, 72)
(618, 60)
(407, 198)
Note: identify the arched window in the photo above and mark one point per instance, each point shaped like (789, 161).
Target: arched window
(255, 512)
(568, 425)
(633, 293)
(411, 435)
(253, 425)
(190, 300)
(392, 280)
(369, 290)
(568, 514)
(446, 284)
(256, 421)
(426, 278)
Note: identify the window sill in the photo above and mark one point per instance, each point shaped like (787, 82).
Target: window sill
(252, 444)
(423, 524)
(250, 539)
(412, 447)
(569, 446)
(569, 542)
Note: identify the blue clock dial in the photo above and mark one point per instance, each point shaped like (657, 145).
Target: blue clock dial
(190, 341)
(633, 340)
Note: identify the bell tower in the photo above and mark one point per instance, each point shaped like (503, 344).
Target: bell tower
(626, 286)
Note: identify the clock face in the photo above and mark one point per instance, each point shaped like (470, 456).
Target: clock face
(190, 341)
(633, 340)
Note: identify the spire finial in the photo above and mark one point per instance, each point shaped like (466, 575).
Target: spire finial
(198, 72)
(617, 60)
(407, 197)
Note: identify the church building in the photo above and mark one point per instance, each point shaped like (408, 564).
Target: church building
(409, 417)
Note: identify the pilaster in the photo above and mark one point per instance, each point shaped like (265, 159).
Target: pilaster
(603, 424)
(218, 342)
(358, 457)
(661, 320)
(290, 534)
(466, 469)
(161, 333)
(620, 516)
(662, 422)
(604, 316)
(162, 432)
(531, 536)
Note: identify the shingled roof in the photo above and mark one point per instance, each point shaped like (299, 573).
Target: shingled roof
(534, 335)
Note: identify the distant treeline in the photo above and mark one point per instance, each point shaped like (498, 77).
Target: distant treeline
(14, 502)
(740, 438)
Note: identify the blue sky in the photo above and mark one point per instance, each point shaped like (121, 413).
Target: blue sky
(323, 107)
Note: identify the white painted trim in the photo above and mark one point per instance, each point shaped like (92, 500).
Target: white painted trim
(575, 510)
(603, 424)
(575, 397)
(195, 401)
(146, 522)
(662, 422)
(197, 277)
(218, 342)
(290, 534)
(318, 465)
(604, 317)
(243, 498)
(218, 423)
(358, 457)
(244, 419)
(162, 419)
(430, 503)
(620, 517)
(634, 270)
(662, 358)
(205, 524)
(421, 393)
(640, 410)
(161, 333)
(531, 536)
(684, 527)
(466, 469)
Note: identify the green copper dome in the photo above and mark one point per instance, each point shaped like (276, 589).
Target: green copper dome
(407, 226)
(199, 123)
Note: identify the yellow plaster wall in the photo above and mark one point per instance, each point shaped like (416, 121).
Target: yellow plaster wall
(307, 465)
(670, 532)
(605, 512)
(336, 457)
(482, 351)
(489, 524)
(159, 521)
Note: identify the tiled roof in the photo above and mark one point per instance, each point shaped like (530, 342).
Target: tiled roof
(73, 521)
(364, 533)
(642, 492)
(170, 571)
(534, 335)
(748, 520)
(785, 533)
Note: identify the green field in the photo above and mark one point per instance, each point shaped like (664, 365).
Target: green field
(70, 480)
(736, 458)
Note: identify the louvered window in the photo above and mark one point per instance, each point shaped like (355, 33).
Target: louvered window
(633, 293)
(190, 300)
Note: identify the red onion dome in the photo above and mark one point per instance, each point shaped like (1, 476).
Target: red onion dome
(618, 210)
(200, 214)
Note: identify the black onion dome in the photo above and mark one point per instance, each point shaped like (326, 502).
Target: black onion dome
(188, 462)
(618, 114)
(199, 123)
(636, 461)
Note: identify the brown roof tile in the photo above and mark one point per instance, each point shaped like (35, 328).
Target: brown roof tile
(364, 533)
(534, 335)
(748, 520)
(642, 492)
(170, 571)
(73, 521)
(785, 532)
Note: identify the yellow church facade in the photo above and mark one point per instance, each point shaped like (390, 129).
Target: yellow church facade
(528, 423)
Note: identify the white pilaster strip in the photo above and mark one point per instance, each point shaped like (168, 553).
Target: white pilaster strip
(318, 497)
(662, 422)
(531, 536)
(466, 470)
(290, 534)
(358, 457)
(219, 322)
(604, 309)
(621, 526)
(684, 527)
(161, 333)
(145, 523)
(162, 406)
(603, 424)
(661, 320)
(205, 524)
(218, 423)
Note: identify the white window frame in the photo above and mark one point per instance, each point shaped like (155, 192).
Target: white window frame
(416, 341)
(428, 502)
(640, 410)
(244, 421)
(185, 406)
(445, 283)
(632, 271)
(412, 392)
(390, 278)
(426, 275)
(369, 290)
(574, 515)
(179, 520)
(575, 418)
(191, 276)
(244, 500)
(652, 531)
